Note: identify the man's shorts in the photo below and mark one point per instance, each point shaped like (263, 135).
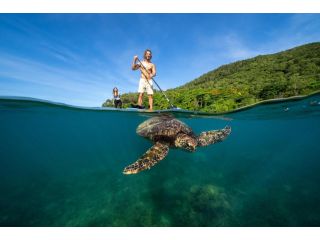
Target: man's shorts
(145, 86)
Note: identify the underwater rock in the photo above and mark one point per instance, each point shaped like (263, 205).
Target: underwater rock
(203, 205)
(208, 198)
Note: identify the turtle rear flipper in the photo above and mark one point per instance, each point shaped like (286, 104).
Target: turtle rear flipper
(155, 154)
(211, 137)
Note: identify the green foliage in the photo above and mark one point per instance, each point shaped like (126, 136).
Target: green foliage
(288, 73)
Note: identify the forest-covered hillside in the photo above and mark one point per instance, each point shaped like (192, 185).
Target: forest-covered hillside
(289, 73)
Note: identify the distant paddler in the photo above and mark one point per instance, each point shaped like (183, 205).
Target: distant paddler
(116, 98)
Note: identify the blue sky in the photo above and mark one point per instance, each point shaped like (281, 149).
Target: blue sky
(78, 58)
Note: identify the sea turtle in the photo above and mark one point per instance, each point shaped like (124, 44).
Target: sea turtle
(166, 131)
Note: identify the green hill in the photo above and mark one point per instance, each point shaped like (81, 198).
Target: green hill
(289, 73)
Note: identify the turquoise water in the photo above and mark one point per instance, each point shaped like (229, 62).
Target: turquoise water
(62, 166)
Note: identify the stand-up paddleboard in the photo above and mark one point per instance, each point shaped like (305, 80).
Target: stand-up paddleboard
(143, 108)
(137, 106)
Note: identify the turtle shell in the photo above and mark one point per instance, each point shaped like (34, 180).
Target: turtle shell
(163, 128)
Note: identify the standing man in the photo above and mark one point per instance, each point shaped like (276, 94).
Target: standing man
(148, 71)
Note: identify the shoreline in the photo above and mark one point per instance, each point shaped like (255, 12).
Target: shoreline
(270, 101)
(64, 105)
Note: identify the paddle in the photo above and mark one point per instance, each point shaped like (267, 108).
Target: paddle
(173, 107)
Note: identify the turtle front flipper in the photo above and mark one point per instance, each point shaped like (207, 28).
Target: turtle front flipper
(211, 137)
(155, 154)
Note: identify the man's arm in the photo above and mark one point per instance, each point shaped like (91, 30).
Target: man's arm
(135, 66)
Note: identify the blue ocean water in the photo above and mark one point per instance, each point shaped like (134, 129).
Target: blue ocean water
(62, 166)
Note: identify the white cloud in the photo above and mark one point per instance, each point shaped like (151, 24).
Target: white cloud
(300, 29)
(69, 82)
(236, 48)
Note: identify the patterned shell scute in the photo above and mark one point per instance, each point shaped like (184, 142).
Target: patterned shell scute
(163, 126)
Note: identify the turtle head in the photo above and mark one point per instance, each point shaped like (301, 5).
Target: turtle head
(186, 142)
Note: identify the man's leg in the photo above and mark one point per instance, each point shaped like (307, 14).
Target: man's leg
(150, 102)
(140, 99)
